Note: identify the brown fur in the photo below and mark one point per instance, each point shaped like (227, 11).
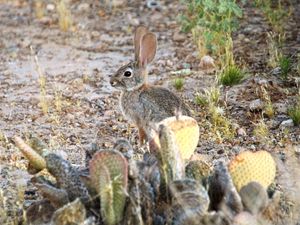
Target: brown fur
(141, 103)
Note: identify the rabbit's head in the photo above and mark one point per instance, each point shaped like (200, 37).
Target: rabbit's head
(134, 74)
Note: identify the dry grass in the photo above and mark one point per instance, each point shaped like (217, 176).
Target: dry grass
(64, 13)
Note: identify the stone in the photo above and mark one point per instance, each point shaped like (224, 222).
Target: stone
(287, 123)
(83, 7)
(256, 105)
(207, 62)
(178, 37)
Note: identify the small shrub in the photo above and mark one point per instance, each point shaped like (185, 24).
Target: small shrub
(231, 75)
(273, 50)
(211, 23)
(294, 113)
(261, 130)
(285, 66)
(275, 13)
(201, 100)
(178, 83)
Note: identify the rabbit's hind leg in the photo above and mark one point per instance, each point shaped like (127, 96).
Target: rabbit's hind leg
(142, 136)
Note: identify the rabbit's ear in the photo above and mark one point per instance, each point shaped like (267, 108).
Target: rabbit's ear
(147, 49)
(138, 35)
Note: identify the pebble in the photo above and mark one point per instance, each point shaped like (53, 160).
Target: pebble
(256, 105)
(83, 7)
(241, 132)
(276, 71)
(281, 108)
(50, 7)
(179, 36)
(287, 123)
(207, 62)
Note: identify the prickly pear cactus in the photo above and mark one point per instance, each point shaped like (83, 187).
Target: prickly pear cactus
(189, 201)
(67, 177)
(72, 213)
(186, 132)
(248, 166)
(254, 197)
(171, 165)
(109, 172)
(35, 159)
(198, 170)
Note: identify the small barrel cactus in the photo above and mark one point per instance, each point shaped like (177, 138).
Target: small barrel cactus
(248, 166)
(109, 175)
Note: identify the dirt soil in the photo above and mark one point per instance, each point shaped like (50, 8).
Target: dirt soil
(82, 106)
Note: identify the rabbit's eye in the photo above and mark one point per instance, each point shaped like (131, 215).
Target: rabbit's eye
(128, 73)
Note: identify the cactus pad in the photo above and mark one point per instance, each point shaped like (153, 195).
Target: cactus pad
(109, 174)
(186, 132)
(35, 159)
(247, 167)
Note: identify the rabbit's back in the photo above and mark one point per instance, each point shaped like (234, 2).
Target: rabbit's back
(151, 104)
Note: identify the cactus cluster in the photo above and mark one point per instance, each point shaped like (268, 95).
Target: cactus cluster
(158, 189)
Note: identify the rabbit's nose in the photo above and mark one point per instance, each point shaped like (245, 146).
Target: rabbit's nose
(113, 82)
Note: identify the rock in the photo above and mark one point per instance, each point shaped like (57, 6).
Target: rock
(152, 4)
(133, 21)
(256, 105)
(241, 132)
(297, 149)
(95, 34)
(280, 108)
(276, 71)
(287, 123)
(50, 7)
(83, 7)
(178, 36)
(46, 20)
(207, 62)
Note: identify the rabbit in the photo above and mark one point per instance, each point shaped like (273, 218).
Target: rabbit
(141, 103)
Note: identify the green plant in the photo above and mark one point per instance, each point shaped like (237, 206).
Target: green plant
(273, 49)
(294, 113)
(275, 13)
(285, 66)
(261, 130)
(178, 83)
(211, 23)
(231, 75)
(201, 100)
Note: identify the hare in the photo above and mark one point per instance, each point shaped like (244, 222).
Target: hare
(141, 103)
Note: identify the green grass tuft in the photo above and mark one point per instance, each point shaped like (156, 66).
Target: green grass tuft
(231, 75)
(285, 66)
(294, 113)
(178, 83)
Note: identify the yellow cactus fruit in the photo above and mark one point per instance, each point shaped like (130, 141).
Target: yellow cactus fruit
(186, 133)
(248, 167)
